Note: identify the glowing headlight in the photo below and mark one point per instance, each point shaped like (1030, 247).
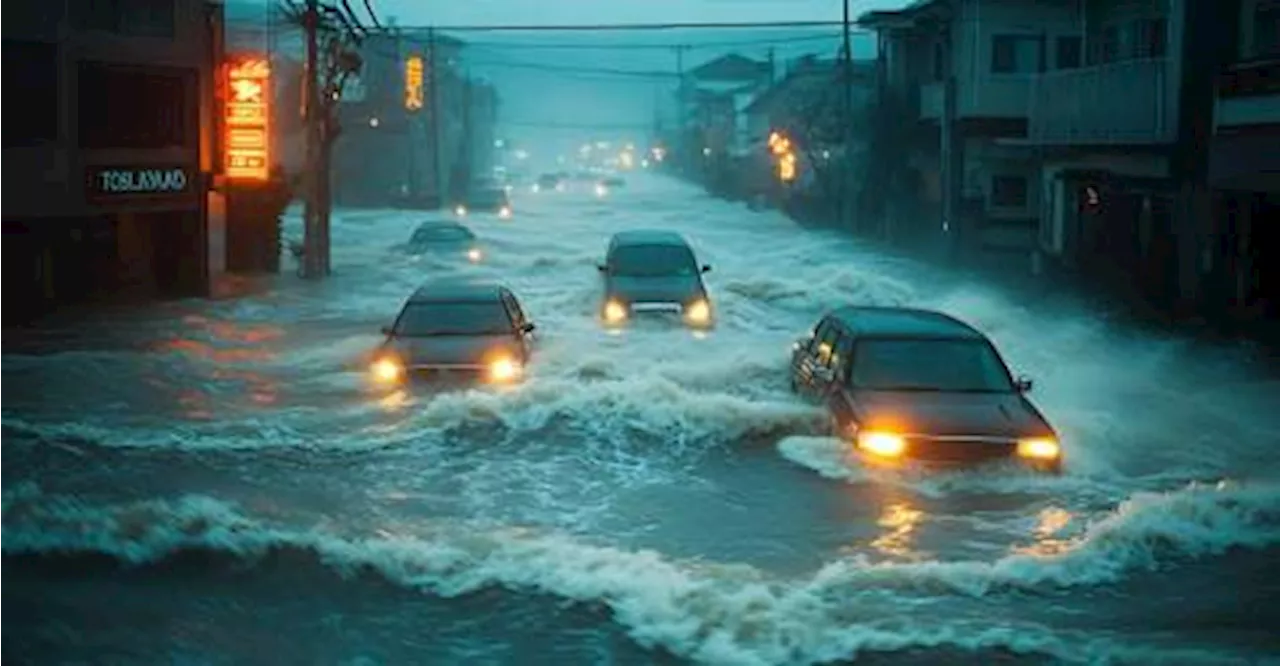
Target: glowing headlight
(1039, 448)
(505, 211)
(387, 369)
(505, 370)
(460, 211)
(883, 444)
(601, 190)
(474, 255)
(614, 312)
(536, 188)
(698, 312)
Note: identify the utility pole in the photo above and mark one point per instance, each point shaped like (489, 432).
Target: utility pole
(681, 109)
(846, 171)
(312, 243)
(433, 74)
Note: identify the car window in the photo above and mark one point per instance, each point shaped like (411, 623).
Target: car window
(825, 344)
(652, 261)
(488, 198)
(819, 331)
(513, 307)
(840, 356)
(928, 365)
(442, 233)
(454, 318)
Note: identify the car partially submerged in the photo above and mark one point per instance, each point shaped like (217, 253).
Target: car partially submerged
(459, 329)
(445, 240)
(654, 271)
(491, 200)
(902, 383)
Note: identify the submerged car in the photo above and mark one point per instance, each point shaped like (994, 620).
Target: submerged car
(460, 329)
(902, 383)
(445, 240)
(654, 271)
(549, 181)
(485, 200)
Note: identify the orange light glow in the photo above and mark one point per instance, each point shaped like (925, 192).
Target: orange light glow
(414, 74)
(247, 117)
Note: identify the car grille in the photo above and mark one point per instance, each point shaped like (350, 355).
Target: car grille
(960, 448)
(656, 307)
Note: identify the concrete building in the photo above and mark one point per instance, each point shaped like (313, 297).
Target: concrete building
(108, 149)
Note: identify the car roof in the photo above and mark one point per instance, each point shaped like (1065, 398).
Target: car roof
(898, 322)
(441, 224)
(648, 237)
(464, 291)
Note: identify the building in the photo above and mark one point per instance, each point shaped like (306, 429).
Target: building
(109, 154)
(1244, 164)
(712, 100)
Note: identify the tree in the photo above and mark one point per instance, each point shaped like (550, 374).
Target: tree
(337, 36)
(813, 118)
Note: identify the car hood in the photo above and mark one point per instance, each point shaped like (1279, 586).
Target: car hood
(453, 349)
(664, 289)
(441, 247)
(974, 414)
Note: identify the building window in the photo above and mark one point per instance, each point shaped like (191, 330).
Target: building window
(32, 68)
(147, 18)
(135, 107)
(1266, 29)
(1068, 54)
(1106, 48)
(1015, 54)
(1009, 191)
(1150, 38)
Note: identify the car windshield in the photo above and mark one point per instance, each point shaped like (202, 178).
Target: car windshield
(652, 261)
(453, 318)
(443, 234)
(928, 365)
(488, 198)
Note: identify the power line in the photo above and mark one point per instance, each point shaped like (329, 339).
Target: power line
(600, 27)
(651, 47)
(575, 70)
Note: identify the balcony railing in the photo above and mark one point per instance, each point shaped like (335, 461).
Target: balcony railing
(1124, 103)
(986, 97)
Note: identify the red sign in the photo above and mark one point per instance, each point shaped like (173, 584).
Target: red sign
(247, 119)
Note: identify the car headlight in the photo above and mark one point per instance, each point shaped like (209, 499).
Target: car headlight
(1039, 448)
(505, 211)
(505, 370)
(698, 312)
(535, 189)
(614, 312)
(474, 255)
(387, 370)
(460, 211)
(601, 190)
(883, 444)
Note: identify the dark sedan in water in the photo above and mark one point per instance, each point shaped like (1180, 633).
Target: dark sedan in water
(653, 271)
(445, 240)
(921, 385)
(458, 328)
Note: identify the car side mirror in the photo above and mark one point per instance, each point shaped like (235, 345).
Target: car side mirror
(528, 327)
(706, 268)
(1024, 384)
(386, 330)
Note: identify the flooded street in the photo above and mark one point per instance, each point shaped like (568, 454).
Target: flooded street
(644, 497)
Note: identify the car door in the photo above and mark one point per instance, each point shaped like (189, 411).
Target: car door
(812, 358)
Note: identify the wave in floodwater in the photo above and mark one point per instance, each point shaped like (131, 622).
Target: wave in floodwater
(709, 612)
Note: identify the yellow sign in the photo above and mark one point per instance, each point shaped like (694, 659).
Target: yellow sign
(414, 71)
(247, 142)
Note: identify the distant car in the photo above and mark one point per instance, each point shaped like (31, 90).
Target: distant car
(606, 185)
(466, 329)
(901, 383)
(548, 182)
(654, 271)
(485, 200)
(445, 239)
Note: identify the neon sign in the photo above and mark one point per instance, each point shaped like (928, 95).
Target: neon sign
(247, 118)
(414, 74)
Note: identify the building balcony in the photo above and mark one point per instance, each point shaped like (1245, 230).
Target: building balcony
(1248, 95)
(1129, 103)
(987, 97)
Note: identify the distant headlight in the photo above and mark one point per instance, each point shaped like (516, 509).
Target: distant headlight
(601, 190)
(1039, 448)
(505, 370)
(536, 188)
(883, 444)
(387, 370)
(698, 312)
(614, 312)
(474, 255)
(460, 211)
(505, 211)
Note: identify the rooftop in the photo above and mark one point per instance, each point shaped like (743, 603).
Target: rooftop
(456, 291)
(904, 322)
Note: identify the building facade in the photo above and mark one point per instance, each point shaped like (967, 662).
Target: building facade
(109, 155)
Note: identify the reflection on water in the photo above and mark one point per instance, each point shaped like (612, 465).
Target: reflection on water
(899, 521)
(395, 402)
(1051, 522)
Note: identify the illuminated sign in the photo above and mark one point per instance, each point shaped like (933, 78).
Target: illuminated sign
(414, 74)
(138, 181)
(247, 141)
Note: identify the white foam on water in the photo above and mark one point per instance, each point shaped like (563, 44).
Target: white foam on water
(715, 614)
